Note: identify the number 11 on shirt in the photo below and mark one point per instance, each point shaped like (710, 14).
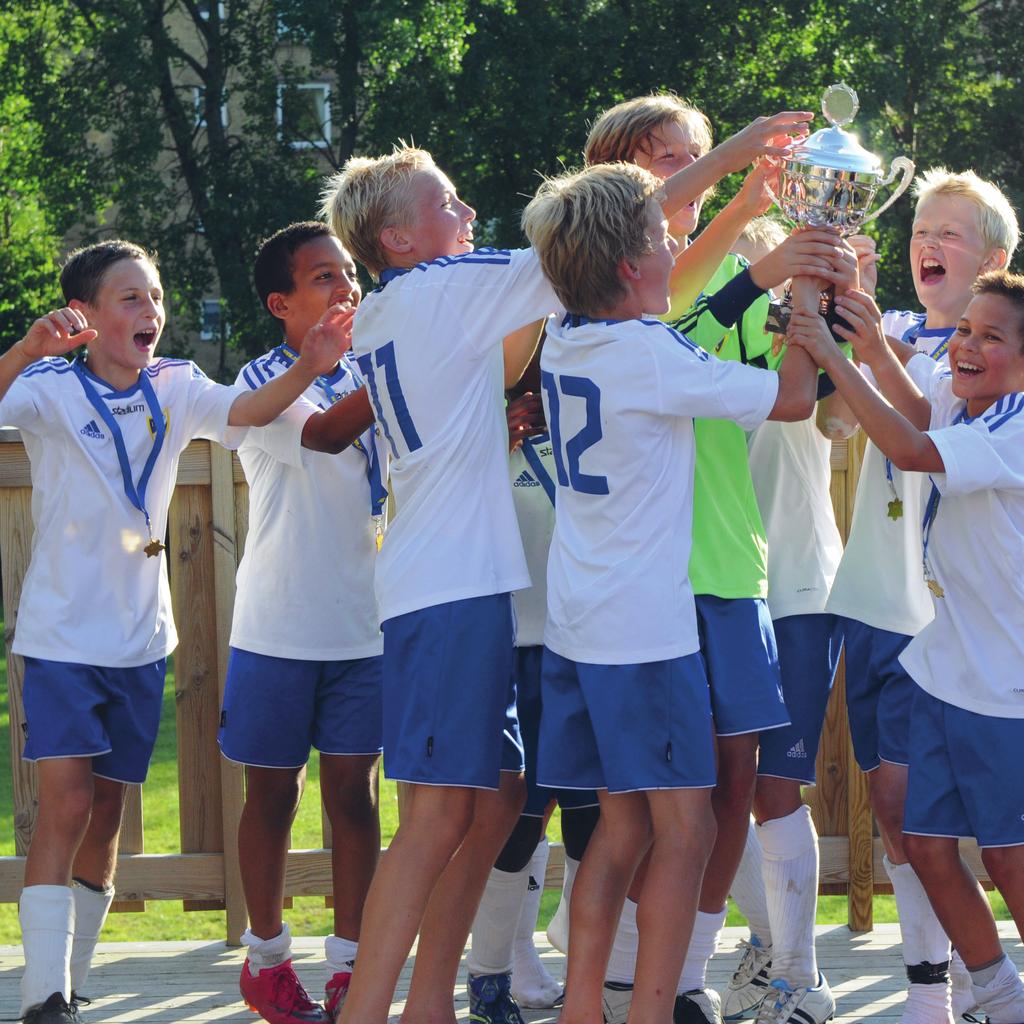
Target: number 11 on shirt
(574, 387)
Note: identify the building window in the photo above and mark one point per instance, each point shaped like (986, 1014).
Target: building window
(304, 114)
(212, 322)
(199, 107)
(205, 7)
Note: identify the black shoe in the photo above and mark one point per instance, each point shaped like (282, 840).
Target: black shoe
(56, 1010)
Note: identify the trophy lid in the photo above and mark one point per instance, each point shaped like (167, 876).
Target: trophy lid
(833, 147)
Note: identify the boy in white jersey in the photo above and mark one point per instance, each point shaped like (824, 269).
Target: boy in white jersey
(429, 342)
(963, 226)
(103, 434)
(305, 641)
(625, 700)
(967, 725)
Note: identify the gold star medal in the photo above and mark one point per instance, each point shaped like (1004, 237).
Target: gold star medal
(153, 548)
(895, 509)
(935, 587)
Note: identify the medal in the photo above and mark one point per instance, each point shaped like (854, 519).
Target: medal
(935, 587)
(134, 492)
(895, 509)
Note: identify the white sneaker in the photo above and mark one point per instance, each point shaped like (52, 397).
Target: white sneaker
(615, 1001)
(698, 1006)
(787, 1005)
(558, 928)
(749, 985)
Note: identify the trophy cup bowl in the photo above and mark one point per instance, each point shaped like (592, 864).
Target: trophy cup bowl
(830, 180)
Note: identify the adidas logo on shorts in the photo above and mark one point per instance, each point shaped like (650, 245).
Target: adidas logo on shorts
(797, 750)
(91, 430)
(525, 480)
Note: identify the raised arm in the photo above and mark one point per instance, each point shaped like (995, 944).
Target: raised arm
(798, 383)
(767, 136)
(898, 439)
(520, 346)
(322, 347)
(334, 429)
(54, 334)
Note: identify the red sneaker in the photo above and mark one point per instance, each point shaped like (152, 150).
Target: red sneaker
(337, 989)
(277, 995)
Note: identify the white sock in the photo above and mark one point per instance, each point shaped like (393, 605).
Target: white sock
(622, 962)
(748, 889)
(264, 953)
(790, 868)
(340, 954)
(91, 909)
(494, 927)
(1002, 999)
(703, 943)
(923, 941)
(532, 984)
(47, 916)
(558, 926)
(963, 994)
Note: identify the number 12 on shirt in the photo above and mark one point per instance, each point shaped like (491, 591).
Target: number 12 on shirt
(570, 387)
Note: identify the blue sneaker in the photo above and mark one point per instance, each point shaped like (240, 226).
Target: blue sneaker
(490, 999)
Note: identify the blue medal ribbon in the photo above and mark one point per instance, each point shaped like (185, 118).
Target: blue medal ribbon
(930, 512)
(368, 450)
(135, 492)
(536, 464)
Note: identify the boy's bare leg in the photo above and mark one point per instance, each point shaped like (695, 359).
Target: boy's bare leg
(956, 897)
(349, 787)
(619, 842)
(453, 903)
(731, 799)
(65, 807)
(684, 834)
(434, 823)
(96, 860)
(1005, 866)
(887, 789)
(271, 800)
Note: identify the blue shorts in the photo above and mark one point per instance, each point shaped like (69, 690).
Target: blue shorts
(742, 664)
(528, 704)
(879, 694)
(625, 728)
(109, 714)
(809, 648)
(276, 709)
(965, 774)
(450, 696)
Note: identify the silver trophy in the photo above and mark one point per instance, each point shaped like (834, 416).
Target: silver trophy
(830, 180)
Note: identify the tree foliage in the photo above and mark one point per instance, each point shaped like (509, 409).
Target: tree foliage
(111, 110)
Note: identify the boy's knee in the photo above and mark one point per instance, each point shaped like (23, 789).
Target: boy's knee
(1003, 862)
(928, 855)
(274, 792)
(735, 786)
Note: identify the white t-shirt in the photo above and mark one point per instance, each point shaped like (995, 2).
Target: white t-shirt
(91, 595)
(971, 653)
(791, 469)
(305, 583)
(620, 397)
(429, 343)
(532, 471)
(879, 579)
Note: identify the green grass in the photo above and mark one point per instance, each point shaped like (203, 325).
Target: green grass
(165, 920)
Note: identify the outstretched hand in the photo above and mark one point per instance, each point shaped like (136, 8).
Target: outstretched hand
(865, 332)
(328, 339)
(56, 334)
(809, 332)
(766, 136)
(867, 261)
(525, 419)
(808, 252)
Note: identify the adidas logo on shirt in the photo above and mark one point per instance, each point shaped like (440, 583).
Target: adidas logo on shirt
(797, 750)
(525, 480)
(91, 430)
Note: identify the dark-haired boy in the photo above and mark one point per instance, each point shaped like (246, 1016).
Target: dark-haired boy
(103, 434)
(305, 641)
(967, 720)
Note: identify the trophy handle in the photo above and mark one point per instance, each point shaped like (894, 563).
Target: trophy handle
(900, 163)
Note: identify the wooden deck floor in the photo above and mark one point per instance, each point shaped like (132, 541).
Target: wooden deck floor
(178, 982)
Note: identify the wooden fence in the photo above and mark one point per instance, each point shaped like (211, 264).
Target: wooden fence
(207, 528)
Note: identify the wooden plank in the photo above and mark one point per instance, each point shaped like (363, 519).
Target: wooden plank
(232, 775)
(197, 691)
(132, 840)
(16, 531)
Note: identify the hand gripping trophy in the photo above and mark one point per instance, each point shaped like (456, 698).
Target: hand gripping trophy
(830, 180)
